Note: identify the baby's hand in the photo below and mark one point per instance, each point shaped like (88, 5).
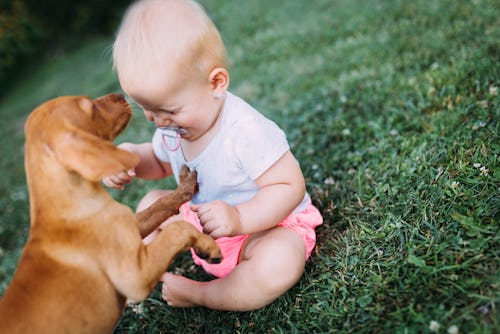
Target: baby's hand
(119, 181)
(218, 218)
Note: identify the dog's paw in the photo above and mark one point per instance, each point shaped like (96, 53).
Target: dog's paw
(206, 248)
(188, 181)
(207, 257)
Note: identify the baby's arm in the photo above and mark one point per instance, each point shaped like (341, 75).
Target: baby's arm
(282, 187)
(149, 167)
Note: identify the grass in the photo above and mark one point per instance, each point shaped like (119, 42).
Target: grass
(392, 108)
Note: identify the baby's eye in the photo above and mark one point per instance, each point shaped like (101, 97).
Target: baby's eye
(170, 111)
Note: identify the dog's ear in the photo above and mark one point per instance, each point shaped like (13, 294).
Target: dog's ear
(92, 157)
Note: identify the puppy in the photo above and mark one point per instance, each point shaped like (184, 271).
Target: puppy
(84, 256)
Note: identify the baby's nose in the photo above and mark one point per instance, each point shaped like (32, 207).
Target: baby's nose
(161, 121)
(162, 124)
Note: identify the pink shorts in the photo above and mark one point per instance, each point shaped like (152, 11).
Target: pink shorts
(302, 223)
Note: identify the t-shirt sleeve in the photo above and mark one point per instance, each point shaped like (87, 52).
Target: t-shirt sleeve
(259, 144)
(158, 149)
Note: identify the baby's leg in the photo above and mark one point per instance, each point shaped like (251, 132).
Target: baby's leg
(147, 201)
(271, 263)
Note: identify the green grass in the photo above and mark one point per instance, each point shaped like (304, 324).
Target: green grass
(391, 107)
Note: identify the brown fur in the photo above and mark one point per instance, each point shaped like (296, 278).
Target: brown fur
(85, 256)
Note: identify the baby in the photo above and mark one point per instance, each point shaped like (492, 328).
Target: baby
(171, 61)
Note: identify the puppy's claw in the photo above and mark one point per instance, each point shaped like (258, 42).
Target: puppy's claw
(202, 255)
(208, 257)
(188, 180)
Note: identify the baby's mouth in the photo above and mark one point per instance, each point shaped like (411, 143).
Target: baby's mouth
(173, 131)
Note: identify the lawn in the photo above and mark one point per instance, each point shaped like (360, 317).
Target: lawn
(392, 109)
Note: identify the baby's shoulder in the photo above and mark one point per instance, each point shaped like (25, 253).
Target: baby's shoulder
(241, 118)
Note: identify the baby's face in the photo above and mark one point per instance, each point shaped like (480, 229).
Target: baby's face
(188, 105)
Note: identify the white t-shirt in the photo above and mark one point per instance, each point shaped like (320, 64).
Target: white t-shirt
(245, 145)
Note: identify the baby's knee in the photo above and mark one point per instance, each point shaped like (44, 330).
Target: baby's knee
(274, 283)
(279, 275)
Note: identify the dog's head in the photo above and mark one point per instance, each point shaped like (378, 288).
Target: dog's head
(79, 132)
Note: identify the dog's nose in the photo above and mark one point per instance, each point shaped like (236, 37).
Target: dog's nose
(116, 97)
(113, 97)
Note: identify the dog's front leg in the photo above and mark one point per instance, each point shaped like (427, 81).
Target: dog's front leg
(153, 259)
(150, 218)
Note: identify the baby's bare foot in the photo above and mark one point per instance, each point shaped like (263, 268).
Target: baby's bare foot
(179, 291)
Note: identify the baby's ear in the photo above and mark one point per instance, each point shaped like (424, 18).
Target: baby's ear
(92, 157)
(219, 80)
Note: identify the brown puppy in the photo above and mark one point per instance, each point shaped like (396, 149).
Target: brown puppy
(85, 256)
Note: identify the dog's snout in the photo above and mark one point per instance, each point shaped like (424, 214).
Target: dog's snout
(113, 97)
(116, 97)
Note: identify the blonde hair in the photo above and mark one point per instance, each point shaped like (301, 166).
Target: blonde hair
(175, 36)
